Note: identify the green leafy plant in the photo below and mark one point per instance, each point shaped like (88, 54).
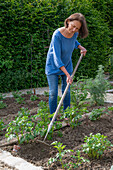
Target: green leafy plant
(2, 96)
(34, 97)
(79, 93)
(26, 126)
(61, 152)
(110, 108)
(20, 100)
(29, 92)
(73, 115)
(77, 159)
(16, 94)
(2, 126)
(21, 127)
(43, 120)
(2, 105)
(46, 93)
(95, 145)
(97, 113)
(97, 87)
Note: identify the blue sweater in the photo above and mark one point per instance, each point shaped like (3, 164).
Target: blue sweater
(60, 53)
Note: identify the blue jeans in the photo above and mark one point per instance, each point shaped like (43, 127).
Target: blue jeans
(53, 92)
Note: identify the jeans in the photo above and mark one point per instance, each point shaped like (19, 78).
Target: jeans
(53, 92)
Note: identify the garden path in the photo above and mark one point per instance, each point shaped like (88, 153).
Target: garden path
(41, 90)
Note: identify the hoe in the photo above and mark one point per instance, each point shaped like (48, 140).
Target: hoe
(60, 103)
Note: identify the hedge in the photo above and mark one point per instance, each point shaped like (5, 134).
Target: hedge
(26, 31)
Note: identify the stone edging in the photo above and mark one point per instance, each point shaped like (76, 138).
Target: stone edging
(16, 162)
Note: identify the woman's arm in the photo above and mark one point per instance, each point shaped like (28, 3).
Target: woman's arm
(69, 79)
(83, 50)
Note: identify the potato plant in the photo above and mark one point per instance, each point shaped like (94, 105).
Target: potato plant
(26, 127)
(95, 145)
(97, 113)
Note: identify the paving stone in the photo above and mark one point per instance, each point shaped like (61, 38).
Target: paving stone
(26, 166)
(16, 162)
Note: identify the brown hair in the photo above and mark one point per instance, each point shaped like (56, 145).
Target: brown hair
(83, 32)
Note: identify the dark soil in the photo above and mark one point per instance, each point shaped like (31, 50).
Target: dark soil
(38, 153)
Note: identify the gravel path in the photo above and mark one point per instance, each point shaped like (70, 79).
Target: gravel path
(41, 90)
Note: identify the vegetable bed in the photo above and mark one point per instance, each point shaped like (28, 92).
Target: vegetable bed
(72, 137)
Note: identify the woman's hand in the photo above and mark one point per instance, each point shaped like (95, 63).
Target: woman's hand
(69, 79)
(83, 50)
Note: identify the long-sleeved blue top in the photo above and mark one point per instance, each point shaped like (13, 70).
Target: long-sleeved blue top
(60, 53)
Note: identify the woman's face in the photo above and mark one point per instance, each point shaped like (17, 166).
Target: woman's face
(73, 26)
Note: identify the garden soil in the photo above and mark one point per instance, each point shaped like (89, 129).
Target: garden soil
(38, 153)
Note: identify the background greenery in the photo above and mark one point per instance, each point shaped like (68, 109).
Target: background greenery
(26, 28)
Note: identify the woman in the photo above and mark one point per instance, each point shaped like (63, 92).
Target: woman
(59, 61)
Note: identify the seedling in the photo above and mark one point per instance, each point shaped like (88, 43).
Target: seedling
(2, 97)
(2, 126)
(20, 100)
(2, 105)
(34, 97)
(97, 113)
(110, 108)
(26, 126)
(95, 145)
(61, 152)
(46, 93)
(29, 92)
(77, 159)
(79, 93)
(20, 127)
(16, 94)
(43, 120)
(73, 115)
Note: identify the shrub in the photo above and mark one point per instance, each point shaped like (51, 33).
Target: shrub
(97, 87)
